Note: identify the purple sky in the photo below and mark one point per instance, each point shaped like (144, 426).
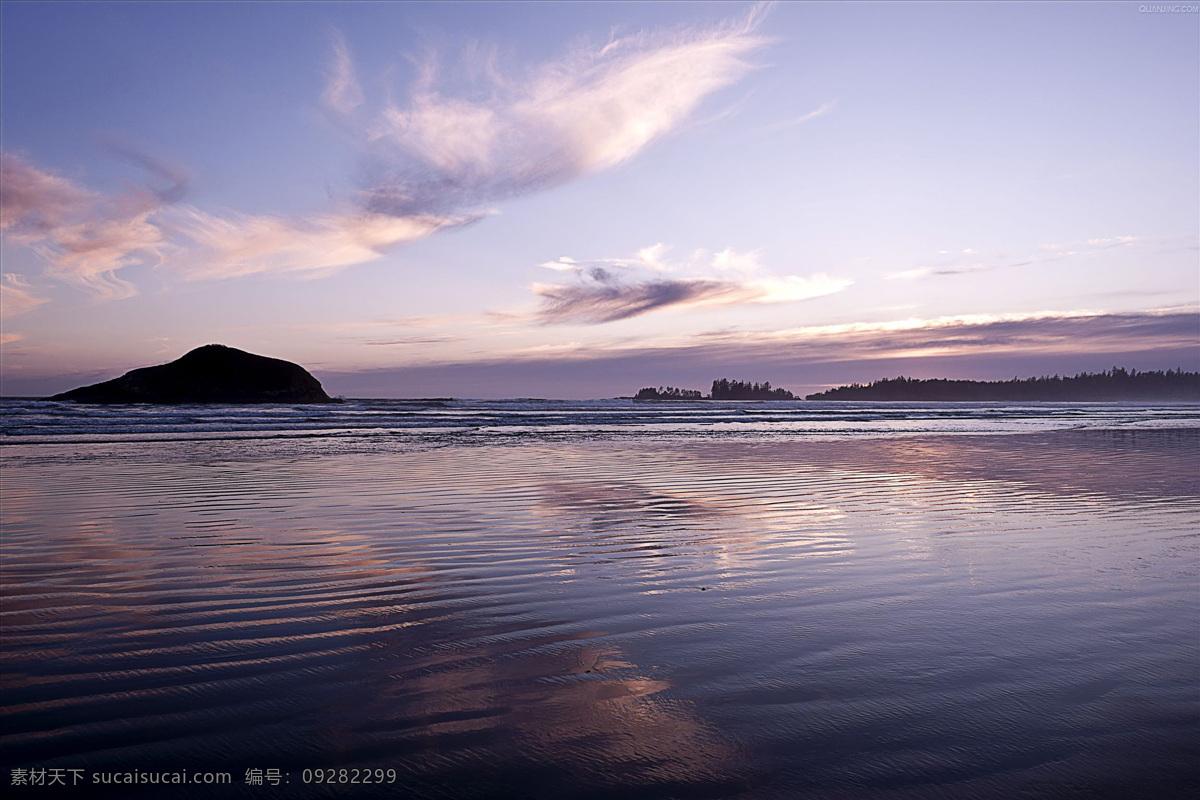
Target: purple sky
(576, 200)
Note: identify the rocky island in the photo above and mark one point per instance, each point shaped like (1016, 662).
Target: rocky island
(722, 389)
(213, 373)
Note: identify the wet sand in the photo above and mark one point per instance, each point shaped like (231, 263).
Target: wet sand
(931, 616)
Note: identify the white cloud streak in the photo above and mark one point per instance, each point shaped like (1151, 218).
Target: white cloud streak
(235, 245)
(1045, 253)
(825, 108)
(342, 92)
(451, 148)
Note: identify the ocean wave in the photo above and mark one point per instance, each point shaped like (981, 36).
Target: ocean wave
(39, 422)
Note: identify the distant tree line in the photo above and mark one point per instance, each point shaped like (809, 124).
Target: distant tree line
(1115, 384)
(668, 393)
(725, 389)
(722, 389)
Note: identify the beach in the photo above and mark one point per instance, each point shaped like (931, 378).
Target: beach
(668, 613)
(600, 400)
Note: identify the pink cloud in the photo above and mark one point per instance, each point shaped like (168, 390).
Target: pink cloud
(235, 245)
(440, 156)
(32, 200)
(517, 133)
(84, 237)
(17, 296)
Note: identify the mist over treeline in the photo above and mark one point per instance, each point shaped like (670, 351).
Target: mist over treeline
(1117, 383)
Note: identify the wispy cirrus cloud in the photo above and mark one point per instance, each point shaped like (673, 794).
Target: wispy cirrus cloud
(85, 237)
(610, 289)
(968, 261)
(233, 245)
(1079, 331)
(821, 110)
(17, 297)
(605, 300)
(34, 201)
(434, 161)
(1112, 241)
(342, 92)
(90, 253)
(497, 135)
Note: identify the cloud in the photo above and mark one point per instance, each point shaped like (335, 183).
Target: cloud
(1046, 253)
(17, 297)
(909, 274)
(174, 178)
(435, 160)
(234, 245)
(562, 264)
(1029, 333)
(793, 288)
(603, 301)
(86, 237)
(611, 289)
(404, 341)
(33, 201)
(806, 359)
(652, 257)
(730, 261)
(495, 136)
(1113, 241)
(1032, 334)
(89, 253)
(342, 92)
(825, 108)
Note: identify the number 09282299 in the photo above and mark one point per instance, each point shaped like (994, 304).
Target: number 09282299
(348, 775)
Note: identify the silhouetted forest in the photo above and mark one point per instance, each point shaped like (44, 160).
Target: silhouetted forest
(668, 393)
(725, 389)
(1115, 384)
(722, 389)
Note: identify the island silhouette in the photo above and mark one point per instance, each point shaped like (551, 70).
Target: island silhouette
(1115, 384)
(722, 389)
(213, 373)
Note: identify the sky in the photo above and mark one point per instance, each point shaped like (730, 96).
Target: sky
(576, 200)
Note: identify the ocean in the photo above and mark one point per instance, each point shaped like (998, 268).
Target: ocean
(539, 599)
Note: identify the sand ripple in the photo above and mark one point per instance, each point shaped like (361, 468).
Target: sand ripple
(926, 617)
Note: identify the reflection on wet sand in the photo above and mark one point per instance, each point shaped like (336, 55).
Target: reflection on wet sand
(964, 616)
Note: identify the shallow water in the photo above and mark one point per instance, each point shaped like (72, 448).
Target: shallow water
(641, 615)
(378, 421)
